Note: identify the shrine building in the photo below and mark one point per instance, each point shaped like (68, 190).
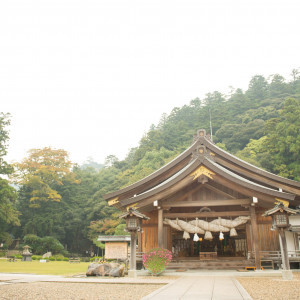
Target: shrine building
(207, 205)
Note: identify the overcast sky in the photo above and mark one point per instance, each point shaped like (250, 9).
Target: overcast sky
(91, 77)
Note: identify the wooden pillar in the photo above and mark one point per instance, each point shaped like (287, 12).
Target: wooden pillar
(284, 252)
(132, 265)
(160, 229)
(139, 241)
(255, 238)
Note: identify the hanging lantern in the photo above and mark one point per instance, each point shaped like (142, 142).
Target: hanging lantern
(200, 239)
(196, 237)
(208, 236)
(221, 236)
(233, 232)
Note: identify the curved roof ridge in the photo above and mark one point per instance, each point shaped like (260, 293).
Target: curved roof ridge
(244, 181)
(249, 166)
(161, 170)
(168, 182)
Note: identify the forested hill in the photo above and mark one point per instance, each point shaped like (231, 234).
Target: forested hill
(260, 125)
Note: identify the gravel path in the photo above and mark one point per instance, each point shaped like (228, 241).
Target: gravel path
(272, 288)
(259, 288)
(68, 291)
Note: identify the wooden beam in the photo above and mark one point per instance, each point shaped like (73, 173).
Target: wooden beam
(185, 195)
(212, 188)
(212, 214)
(207, 203)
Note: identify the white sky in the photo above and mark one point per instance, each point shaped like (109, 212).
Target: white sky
(91, 77)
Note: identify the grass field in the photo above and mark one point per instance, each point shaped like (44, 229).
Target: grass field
(49, 268)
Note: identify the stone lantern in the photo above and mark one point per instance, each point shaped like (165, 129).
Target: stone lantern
(280, 217)
(133, 225)
(26, 254)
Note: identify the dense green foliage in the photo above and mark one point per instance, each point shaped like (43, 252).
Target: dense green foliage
(42, 245)
(8, 213)
(260, 125)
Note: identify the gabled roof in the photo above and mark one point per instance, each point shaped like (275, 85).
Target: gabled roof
(280, 207)
(133, 212)
(223, 154)
(224, 167)
(113, 238)
(168, 168)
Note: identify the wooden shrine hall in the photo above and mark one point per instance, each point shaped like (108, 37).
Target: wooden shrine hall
(207, 205)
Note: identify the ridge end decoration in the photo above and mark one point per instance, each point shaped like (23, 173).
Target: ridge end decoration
(113, 201)
(284, 202)
(131, 206)
(202, 171)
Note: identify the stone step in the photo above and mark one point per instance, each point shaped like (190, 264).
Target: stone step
(211, 264)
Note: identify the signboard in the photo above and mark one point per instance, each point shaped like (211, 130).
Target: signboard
(116, 250)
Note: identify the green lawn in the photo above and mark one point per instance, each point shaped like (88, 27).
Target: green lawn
(49, 268)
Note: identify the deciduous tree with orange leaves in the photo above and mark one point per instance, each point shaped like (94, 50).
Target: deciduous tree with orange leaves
(41, 172)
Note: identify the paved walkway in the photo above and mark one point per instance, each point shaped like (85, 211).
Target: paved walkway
(201, 288)
(12, 278)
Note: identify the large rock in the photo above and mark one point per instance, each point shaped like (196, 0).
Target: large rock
(47, 255)
(91, 268)
(105, 269)
(117, 271)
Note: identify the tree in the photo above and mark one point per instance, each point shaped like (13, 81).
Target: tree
(5, 168)
(41, 172)
(283, 140)
(41, 177)
(42, 245)
(258, 88)
(277, 86)
(8, 213)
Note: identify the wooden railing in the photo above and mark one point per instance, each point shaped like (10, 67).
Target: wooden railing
(276, 255)
(138, 255)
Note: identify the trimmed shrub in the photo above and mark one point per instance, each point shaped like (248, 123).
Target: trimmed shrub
(59, 257)
(36, 257)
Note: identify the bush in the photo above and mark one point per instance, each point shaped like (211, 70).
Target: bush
(84, 259)
(2, 253)
(36, 257)
(66, 259)
(52, 258)
(97, 258)
(18, 256)
(156, 260)
(59, 257)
